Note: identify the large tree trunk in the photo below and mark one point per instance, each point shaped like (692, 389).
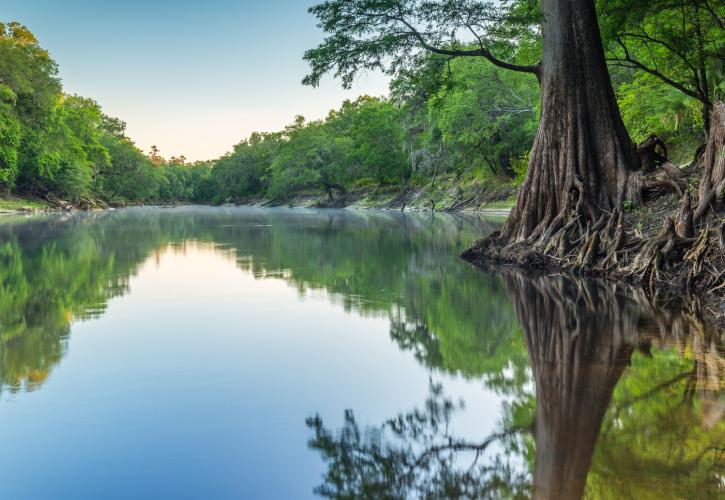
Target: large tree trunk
(712, 183)
(582, 155)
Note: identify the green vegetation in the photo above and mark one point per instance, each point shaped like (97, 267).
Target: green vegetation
(58, 146)
(676, 52)
(450, 121)
(16, 204)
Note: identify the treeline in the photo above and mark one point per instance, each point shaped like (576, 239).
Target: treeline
(462, 118)
(446, 117)
(55, 145)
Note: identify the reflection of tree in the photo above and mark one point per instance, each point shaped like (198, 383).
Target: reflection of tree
(660, 436)
(52, 273)
(57, 270)
(664, 434)
(414, 335)
(413, 456)
(579, 336)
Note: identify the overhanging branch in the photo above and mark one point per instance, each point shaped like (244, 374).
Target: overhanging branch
(480, 52)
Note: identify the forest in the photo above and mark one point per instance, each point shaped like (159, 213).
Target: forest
(447, 116)
(602, 122)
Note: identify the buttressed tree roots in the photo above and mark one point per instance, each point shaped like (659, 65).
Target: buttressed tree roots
(594, 235)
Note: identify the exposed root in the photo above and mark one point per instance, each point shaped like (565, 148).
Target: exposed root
(676, 258)
(645, 186)
(684, 223)
(649, 157)
(687, 253)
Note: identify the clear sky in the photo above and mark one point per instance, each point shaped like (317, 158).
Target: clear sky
(192, 77)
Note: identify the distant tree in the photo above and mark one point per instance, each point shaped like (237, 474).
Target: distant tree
(245, 171)
(309, 157)
(114, 126)
(10, 137)
(155, 156)
(376, 134)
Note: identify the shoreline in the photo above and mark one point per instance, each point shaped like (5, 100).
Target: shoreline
(493, 202)
(491, 254)
(483, 255)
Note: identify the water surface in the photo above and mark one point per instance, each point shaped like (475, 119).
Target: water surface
(242, 353)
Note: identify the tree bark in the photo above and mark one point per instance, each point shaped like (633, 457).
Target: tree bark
(712, 183)
(582, 156)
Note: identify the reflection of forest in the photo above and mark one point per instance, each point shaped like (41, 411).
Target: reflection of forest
(629, 394)
(628, 404)
(57, 269)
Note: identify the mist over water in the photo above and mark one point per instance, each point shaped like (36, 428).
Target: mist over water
(213, 352)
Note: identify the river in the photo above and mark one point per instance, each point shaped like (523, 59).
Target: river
(286, 353)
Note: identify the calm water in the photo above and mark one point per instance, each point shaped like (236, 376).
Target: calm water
(240, 353)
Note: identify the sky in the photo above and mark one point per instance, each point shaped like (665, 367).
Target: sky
(192, 77)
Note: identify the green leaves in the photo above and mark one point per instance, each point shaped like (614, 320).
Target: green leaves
(678, 44)
(361, 140)
(388, 35)
(377, 139)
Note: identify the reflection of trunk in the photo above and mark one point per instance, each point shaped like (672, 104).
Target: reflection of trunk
(580, 336)
(579, 343)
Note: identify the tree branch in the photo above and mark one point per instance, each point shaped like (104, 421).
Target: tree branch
(645, 36)
(480, 52)
(630, 62)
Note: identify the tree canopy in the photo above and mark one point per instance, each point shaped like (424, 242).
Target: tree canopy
(454, 107)
(388, 34)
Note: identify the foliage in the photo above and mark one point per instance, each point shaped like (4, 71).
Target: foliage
(454, 108)
(10, 129)
(488, 117)
(388, 35)
(376, 139)
(680, 45)
(244, 172)
(652, 107)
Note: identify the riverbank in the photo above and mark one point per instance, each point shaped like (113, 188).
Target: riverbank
(11, 204)
(446, 195)
(20, 206)
(492, 197)
(643, 247)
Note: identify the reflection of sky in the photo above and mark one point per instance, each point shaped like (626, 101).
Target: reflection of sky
(192, 77)
(197, 383)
